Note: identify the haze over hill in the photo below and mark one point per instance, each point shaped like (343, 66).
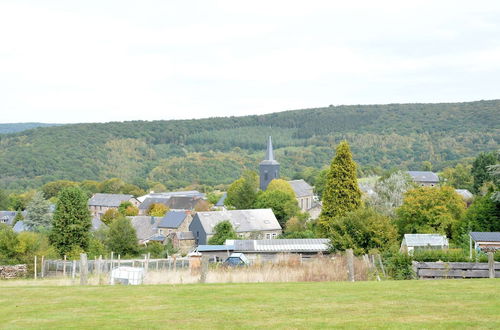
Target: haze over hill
(19, 127)
(214, 151)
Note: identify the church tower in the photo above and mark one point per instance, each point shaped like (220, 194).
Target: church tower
(269, 168)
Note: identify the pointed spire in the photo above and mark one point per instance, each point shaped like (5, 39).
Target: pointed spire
(269, 152)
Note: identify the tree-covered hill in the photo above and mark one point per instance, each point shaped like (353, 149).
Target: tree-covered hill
(19, 127)
(215, 150)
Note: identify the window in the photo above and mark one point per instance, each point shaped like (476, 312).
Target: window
(274, 235)
(268, 236)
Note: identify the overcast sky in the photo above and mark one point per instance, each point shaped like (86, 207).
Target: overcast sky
(94, 61)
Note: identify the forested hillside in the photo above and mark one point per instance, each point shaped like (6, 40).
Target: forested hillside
(19, 127)
(215, 151)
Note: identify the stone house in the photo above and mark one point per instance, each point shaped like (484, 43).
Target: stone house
(100, 203)
(304, 194)
(255, 224)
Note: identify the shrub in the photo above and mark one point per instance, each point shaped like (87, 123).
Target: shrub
(399, 266)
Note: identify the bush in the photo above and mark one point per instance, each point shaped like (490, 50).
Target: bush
(450, 255)
(399, 266)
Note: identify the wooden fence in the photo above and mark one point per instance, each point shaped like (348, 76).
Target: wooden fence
(428, 270)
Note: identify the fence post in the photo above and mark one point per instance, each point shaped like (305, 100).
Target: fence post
(491, 265)
(175, 263)
(350, 264)
(99, 265)
(43, 267)
(64, 266)
(83, 269)
(119, 261)
(204, 269)
(73, 272)
(379, 258)
(35, 267)
(111, 262)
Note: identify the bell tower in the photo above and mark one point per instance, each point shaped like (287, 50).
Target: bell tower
(269, 167)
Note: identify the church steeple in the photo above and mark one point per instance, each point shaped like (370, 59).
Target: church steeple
(269, 167)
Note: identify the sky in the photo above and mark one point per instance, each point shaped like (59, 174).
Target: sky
(98, 61)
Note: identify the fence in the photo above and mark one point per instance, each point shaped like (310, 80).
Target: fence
(429, 270)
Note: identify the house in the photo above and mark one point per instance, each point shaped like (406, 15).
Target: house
(97, 224)
(7, 217)
(257, 223)
(174, 202)
(413, 242)
(267, 250)
(183, 241)
(175, 221)
(146, 228)
(485, 241)
(304, 194)
(424, 178)
(100, 203)
(466, 195)
(20, 227)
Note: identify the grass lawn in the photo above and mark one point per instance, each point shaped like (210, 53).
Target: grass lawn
(395, 304)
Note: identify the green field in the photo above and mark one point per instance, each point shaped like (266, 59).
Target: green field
(394, 304)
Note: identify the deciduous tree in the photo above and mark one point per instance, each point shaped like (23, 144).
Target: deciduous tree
(284, 206)
(222, 231)
(243, 192)
(121, 237)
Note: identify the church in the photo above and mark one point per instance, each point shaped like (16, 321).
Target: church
(269, 169)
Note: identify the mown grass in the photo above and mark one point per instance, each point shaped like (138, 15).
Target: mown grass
(390, 304)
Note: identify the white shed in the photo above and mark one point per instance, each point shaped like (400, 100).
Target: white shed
(423, 241)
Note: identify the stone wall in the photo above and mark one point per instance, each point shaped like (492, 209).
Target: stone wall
(15, 271)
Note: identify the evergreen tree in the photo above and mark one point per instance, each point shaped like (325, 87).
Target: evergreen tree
(121, 237)
(37, 213)
(341, 194)
(71, 222)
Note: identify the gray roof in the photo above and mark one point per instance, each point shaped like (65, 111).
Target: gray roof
(464, 193)
(221, 200)
(424, 176)
(312, 245)
(145, 226)
(301, 188)
(97, 223)
(109, 200)
(242, 220)
(153, 200)
(425, 240)
(173, 219)
(183, 202)
(192, 193)
(485, 236)
(20, 227)
(206, 248)
(7, 217)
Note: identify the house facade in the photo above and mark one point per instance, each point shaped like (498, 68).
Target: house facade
(256, 223)
(100, 203)
(424, 178)
(304, 194)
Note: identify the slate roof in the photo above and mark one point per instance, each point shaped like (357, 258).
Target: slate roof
(109, 200)
(20, 227)
(145, 226)
(153, 200)
(485, 236)
(424, 176)
(207, 248)
(192, 193)
(242, 220)
(464, 193)
(182, 202)
(173, 219)
(220, 202)
(97, 223)
(425, 240)
(299, 245)
(7, 217)
(301, 188)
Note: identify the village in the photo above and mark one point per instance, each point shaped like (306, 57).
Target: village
(192, 229)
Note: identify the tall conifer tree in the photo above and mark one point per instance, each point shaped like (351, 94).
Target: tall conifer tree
(71, 222)
(342, 193)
